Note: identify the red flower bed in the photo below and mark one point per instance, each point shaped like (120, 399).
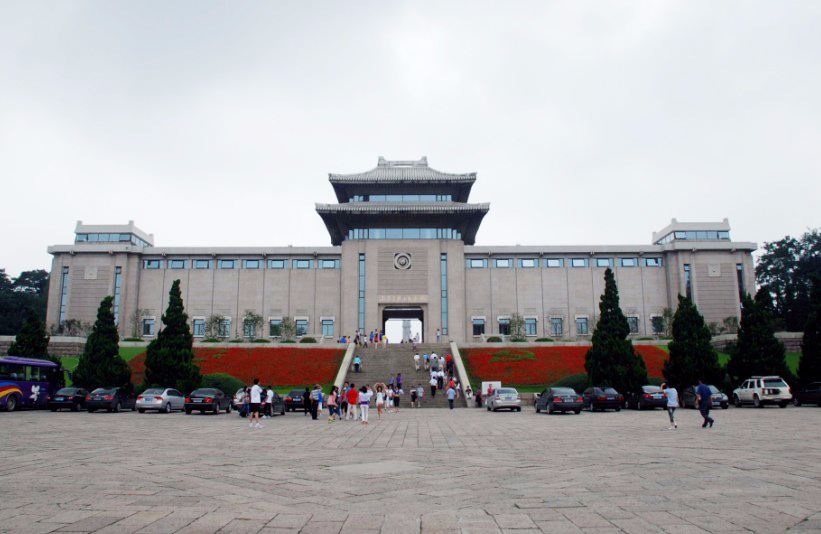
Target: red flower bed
(542, 365)
(280, 366)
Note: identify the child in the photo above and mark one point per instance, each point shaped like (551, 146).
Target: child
(332, 404)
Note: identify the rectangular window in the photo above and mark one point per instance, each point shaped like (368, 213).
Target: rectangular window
(250, 264)
(688, 284)
(528, 263)
(302, 264)
(530, 326)
(302, 327)
(629, 262)
(443, 263)
(578, 262)
(581, 326)
(227, 264)
(504, 326)
(393, 233)
(276, 264)
(328, 327)
(274, 327)
(739, 274)
(148, 327)
(362, 293)
(152, 264)
(202, 264)
(553, 263)
(410, 233)
(652, 262)
(478, 327)
(176, 264)
(329, 264)
(604, 262)
(199, 328)
(224, 329)
(502, 263)
(633, 323)
(556, 327)
(63, 295)
(473, 263)
(724, 235)
(118, 278)
(249, 329)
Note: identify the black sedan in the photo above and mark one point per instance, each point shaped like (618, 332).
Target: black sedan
(647, 397)
(111, 400)
(808, 395)
(73, 399)
(293, 401)
(211, 400)
(562, 400)
(688, 398)
(602, 398)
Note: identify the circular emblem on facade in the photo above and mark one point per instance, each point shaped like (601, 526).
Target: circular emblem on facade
(402, 261)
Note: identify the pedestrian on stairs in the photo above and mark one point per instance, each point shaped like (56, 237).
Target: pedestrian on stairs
(413, 345)
(398, 380)
(420, 394)
(451, 395)
(426, 360)
(433, 382)
(357, 363)
(397, 395)
(416, 361)
(414, 396)
(391, 380)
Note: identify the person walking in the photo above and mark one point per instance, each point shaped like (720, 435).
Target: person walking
(316, 399)
(414, 396)
(269, 401)
(332, 404)
(353, 400)
(306, 401)
(380, 400)
(426, 361)
(440, 378)
(364, 402)
(384, 341)
(433, 383)
(397, 396)
(256, 400)
(416, 361)
(343, 401)
(451, 395)
(398, 380)
(672, 404)
(705, 402)
(391, 381)
(420, 394)
(357, 363)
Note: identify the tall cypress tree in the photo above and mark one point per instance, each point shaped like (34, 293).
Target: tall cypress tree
(169, 359)
(32, 341)
(101, 364)
(612, 360)
(758, 351)
(809, 367)
(692, 356)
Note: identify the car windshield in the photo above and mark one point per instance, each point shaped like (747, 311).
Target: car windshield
(204, 391)
(67, 391)
(774, 383)
(103, 391)
(153, 391)
(564, 391)
(713, 389)
(506, 391)
(295, 393)
(651, 389)
(610, 391)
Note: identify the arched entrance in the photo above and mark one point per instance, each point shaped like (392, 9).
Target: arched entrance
(403, 321)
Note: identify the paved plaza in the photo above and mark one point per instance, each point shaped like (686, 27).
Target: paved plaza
(430, 470)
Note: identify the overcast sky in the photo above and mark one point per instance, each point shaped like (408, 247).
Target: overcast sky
(217, 123)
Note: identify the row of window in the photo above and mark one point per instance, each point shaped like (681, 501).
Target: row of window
(530, 263)
(709, 235)
(235, 264)
(404, 233)
(400, 198)
(110, 238)
(556, 326)
(249, 328)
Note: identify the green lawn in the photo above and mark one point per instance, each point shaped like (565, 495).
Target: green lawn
(128, 353)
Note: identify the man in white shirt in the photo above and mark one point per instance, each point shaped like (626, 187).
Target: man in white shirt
(256, 400)
(672, 404)
(269, 403)
(416, 361)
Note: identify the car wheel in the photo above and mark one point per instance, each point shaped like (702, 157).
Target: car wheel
(282, 411)
(549, 408)
(518, 409)
(228, 409)
(538, 410)
(796, 402)
(91, 410)
(188, 411)
(167, 408)
(53, 409)
(725, 405)
(757, 402)
(141, 410)
(782, 404)
(618, 408)
(577, 412)
(216, 408)
(11, 403)
(117, 407)
(736, 401)
(75, 407)
(639, 406)
(488, 407)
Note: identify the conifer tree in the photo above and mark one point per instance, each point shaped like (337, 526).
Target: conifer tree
(169, 359)
(809, 367)
(32, 341)
(692, 356)
(758, 351)
(101, 364)
(612, 360)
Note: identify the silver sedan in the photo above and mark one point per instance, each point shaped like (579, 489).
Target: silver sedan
(162, 400)
(504, 399)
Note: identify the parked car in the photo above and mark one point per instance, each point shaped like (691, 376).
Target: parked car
(602, 398)
(504, 399)
(688, 398)
(293, 401)
(762, 390)
(110, 399)
(210, 400)
(559, 400)
(71, 398)
(647, 397)
(808, 395)
(162, 400)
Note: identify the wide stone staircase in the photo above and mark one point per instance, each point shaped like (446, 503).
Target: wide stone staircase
(379, 364)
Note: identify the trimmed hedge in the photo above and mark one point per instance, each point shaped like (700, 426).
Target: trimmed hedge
(543, 339)
(493, 339)
(260, 340)
(226, 383)
(307, 340)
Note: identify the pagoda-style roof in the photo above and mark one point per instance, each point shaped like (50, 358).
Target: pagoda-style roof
(397, 177)
(339, 218)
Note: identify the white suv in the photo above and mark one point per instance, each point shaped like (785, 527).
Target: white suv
(761, 390)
